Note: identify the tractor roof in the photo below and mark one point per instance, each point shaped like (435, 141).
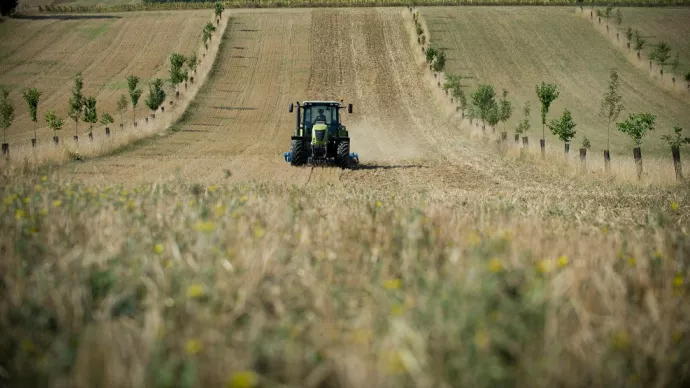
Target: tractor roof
(333, 103)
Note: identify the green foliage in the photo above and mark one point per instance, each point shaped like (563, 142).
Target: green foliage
(506, 108)
(637, 125)
(134, 93)
(106, 119)
(639, 41)
(483, 100)
(494, 114)
(661, 53)
(439, 62)
(210, 27)
(677, 139)
(608, 12)
(90, 114)
(431, 53)
(585, 143)
(32, 97)
(619, 17)
(206, 36)
(193, 62)
(122, 105)
(687, 77)
(156, 94)
(6, 109)
(564, 127)
(547, 94)
(611, 105)
(76, 102)
(177, 74)
(219, 8)
(54, 122)
(629, 34)
(524, 124)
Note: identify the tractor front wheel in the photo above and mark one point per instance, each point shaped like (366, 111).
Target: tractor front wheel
(342, 157)
(299, 152)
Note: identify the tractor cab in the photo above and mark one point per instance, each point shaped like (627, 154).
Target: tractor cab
(319, 135)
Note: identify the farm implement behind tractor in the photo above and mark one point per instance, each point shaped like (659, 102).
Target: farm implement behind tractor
(320, 138)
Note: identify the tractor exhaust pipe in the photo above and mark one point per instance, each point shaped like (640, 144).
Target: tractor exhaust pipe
(298, 120)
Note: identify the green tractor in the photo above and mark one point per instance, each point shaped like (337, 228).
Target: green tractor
(320, 137)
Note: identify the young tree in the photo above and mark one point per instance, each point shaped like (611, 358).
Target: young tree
(156, 95)
(675, 63)
(90, 114)
(506, 109)
(639, 41)
(462, 98)
(564, 128)
(661, 54)
(32, 97)
(547, 94)
(494, 115)
(483, 100)
(6, 114)
(193, 63)
(54, 122)
(619, 17)
(636, 126)
(122, 105)
(608, 12)
(524, 124)
(76, 103)
(134, 94)
(106, 119)
(210, 28)
(629, 34)
(687, 79)
(431, 53)
(219, 7)
(439, 62)
(676, 141)
(177, 74)
(611, 106)
(206, 36)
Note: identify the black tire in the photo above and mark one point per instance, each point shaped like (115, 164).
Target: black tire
(342, 157)
(299, 152)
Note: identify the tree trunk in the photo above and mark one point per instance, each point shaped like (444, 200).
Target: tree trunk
(567, 148)
(5, 149)
(56, 140)
(33, 142)
(637, 154)
(607, 160)
(676, 162)
(525, 141)
(504, 136)
(75, 127)
(107, 131)
(517, 138)
(542, 144)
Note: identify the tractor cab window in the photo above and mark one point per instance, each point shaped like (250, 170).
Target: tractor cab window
(325, 114)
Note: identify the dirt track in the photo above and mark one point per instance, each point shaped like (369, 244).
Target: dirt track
(270, 58)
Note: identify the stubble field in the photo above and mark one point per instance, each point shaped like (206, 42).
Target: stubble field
(200, 258)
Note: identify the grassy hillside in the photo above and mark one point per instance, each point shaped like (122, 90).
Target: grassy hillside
(46, 52)
(517, 48)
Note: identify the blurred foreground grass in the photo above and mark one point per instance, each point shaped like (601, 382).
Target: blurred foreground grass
(262, 285)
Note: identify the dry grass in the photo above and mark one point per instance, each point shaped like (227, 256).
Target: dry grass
(46, 54)
(517, 48)
(196, 284)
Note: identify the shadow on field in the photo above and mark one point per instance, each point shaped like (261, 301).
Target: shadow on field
(65, 17)
(367, 166)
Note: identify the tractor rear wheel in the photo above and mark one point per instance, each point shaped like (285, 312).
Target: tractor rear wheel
(299, 152)
(342, 158)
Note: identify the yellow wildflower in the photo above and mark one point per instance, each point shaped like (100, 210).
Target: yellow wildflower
(44, 178)
(213, 188)
(244, 199)
(393, 362)
(632, 261)
(604, 230)
(378, 204)
(361, 336)
(57, 203)
(205, 226)
(658, 255)
(678, 281)
(26, 200)
(10, 199)
(167, 263)
(43, 212)
(397, 310)
(192, 347)
(677, 336)
(259, 232)
(674, 205)
(621, 340)
(19, 214)
(38, 188)
(158, 248)
(391, 284)
(243, 379)
(495, 265)
(563, 261)
(219, 210)
(481, 339)
(195, 291)
(544, 266)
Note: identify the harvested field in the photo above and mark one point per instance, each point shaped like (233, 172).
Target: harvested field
(517, 48)
(201, 258)
(46, 53)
